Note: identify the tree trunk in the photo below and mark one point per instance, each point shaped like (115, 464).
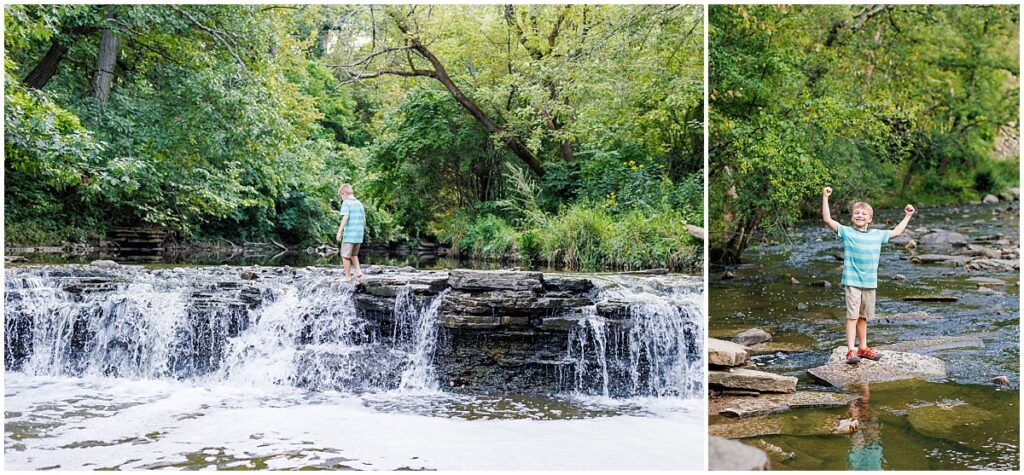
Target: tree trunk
(47, 67)
(106, 60)
(514, 144)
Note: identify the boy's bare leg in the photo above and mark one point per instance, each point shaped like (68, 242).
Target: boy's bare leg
(355, 261)
(345, 266)
(862, 333)
(851, 333)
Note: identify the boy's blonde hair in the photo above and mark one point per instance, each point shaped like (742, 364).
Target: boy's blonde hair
(344, 189)
(863, 205)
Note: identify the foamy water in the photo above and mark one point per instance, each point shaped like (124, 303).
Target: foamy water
(90, 423)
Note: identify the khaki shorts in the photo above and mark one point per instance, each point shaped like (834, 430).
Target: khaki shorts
(349, 249)
(860, 303)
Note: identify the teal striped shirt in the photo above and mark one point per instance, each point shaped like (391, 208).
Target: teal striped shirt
(356, 224)
(862, 250)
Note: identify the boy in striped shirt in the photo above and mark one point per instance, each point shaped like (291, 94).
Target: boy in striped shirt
(862, 248)
(350, 232)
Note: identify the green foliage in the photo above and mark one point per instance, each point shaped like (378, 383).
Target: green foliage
(884, 103)
(240, 121)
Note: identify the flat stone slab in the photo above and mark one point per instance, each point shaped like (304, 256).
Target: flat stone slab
(495, 280)
(903, 317)
(987, 281)
(725, 454)
(939, 259)
(761, 381)
(931, 298)
(743, 407)
(962, 424)
(773, 347)
(893, 366)
(726, 353)
(935, 344)
(752, 336)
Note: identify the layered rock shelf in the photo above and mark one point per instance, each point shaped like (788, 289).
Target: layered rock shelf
(497, 331)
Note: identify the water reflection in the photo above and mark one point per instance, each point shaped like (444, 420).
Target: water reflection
(866, 440)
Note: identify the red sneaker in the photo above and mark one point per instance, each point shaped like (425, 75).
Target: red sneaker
(852, 358)
(869, 354)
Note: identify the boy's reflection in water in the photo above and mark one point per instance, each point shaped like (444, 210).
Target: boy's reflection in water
(866, 440)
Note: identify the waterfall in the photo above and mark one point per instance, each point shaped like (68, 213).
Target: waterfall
(420, 374)
(398, 331)
(651, 346)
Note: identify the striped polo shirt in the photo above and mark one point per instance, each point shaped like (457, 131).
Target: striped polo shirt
(356, 224)
(862, 250)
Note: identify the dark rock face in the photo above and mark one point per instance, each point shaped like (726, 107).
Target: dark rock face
(487, 331)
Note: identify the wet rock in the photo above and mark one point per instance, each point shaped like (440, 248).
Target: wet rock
(567, 284)
(900, 277)
(990, 199)
(774, 403)
(962, 424)
(892, 367)
(846, 426)
(495, 280)
(839, 255)
(935, 344)
(752, 336)
(248, 275)
(741, 378)
(802, 306)
(772, 347)
(988, 291)
(15, 259)
(104, 263)
(911, 245)
(728, 275)
(930, 298)
(725, 454)
(998, 265)
(987, 281)
(474, 322)
(792, 280)
(940, 259)
(943, 240)
(725, 353)
(921, 230)
(898, 318)
(1000, 381)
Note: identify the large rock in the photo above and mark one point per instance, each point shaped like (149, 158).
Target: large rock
(752, 336)
(495, 280)
(936, 344)
(959, 423)
(742, 378)
(893, 366)
(725, 353)
(943, 240)
(742, 407)
(940, 259)
(990, 199)
(998, 265)
(725, 454)
(899, 318)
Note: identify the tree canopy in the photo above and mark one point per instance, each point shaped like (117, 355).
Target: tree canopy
(882, 102)
(241, 121)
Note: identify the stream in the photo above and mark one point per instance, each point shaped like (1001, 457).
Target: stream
(964, 422)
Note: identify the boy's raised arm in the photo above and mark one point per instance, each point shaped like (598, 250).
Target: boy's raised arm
(909, 211)
(826, 214)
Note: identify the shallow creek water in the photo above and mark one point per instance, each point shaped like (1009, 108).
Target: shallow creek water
(963, 422)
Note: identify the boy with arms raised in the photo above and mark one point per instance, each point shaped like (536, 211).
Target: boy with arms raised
(862, 248)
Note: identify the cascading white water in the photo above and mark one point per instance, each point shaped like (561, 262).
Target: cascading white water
(420, 374)
(656, 347)
(305, 332)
